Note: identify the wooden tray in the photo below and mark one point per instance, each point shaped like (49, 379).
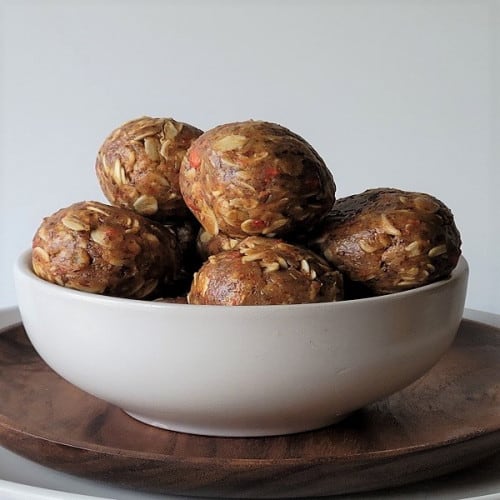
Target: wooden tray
(447, 420)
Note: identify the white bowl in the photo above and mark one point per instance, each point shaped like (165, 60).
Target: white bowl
(240, 370)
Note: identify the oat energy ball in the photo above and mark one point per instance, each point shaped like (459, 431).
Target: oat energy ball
(108, 250)
(265, 271)
(255, 178)
(138, 166)
(186, 232)
(390, 240)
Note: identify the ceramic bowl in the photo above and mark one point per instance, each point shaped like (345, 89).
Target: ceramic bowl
(240, 370)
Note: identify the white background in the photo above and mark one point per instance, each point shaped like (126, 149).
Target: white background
(391, 93)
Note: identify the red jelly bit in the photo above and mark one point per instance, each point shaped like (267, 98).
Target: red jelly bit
(194, 158)
(270, 173)
(191, 206)
(112, 232)
(259, 224)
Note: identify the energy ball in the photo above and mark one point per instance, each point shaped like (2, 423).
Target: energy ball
(255, 178)
(265, 271)
(93, 247)
(138, 166)
(390, 240)
(186, 232)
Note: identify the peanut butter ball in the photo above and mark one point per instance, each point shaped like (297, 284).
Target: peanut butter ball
(390, 240)
(255, 178)
(93, 247)
(265, 271)
(138, 166)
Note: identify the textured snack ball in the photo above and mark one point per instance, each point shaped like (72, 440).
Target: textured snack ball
(97, 248)
(186, 231)
(265, 271)
(255, 178)
(138, 166)
(390, 240)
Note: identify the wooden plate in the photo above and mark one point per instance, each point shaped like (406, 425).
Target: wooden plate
(447, 420)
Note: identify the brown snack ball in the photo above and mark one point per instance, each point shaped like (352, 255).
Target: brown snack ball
(93, 247)
(255, 178)
(390, 240)
(265, 271)
(209, 244)
(138, 166)
(186, 231)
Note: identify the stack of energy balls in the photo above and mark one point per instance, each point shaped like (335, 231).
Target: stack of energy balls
(242, 214)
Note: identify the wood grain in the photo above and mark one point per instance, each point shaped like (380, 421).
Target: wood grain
(448, 419)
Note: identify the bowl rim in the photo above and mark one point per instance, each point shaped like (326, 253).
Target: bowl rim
(23, 267)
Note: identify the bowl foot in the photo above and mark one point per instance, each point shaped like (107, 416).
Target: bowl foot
(226, 431)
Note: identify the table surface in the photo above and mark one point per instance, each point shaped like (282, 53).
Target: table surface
(23, 479)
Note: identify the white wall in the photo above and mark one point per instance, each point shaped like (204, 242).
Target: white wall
(391, 93)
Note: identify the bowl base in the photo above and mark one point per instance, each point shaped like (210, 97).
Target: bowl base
(228, 431)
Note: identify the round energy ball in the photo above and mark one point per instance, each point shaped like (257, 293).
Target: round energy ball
(93, 247)
(390, 240)
(186, 231)
(138, 166)
(255, 178)
(265, 271)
